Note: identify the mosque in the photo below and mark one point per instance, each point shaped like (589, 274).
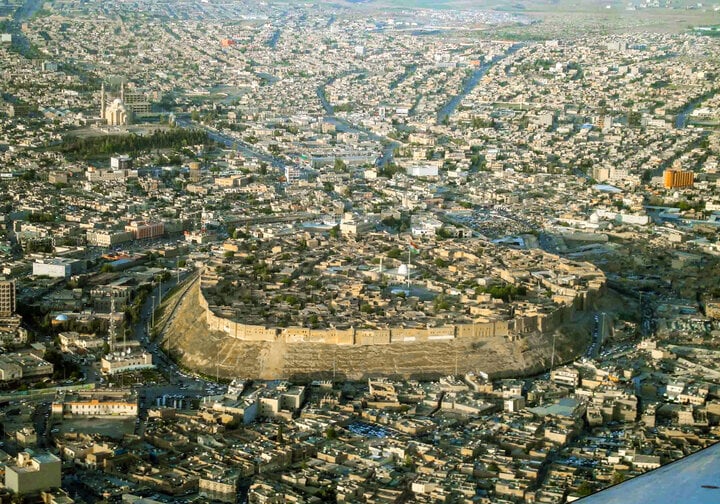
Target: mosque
(116, 113)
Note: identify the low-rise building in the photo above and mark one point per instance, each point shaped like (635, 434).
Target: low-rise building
(107, 238)
(122, 362)
(23, 365)
(145, 230)
(33, 473)
(58, 267)
(102, 403)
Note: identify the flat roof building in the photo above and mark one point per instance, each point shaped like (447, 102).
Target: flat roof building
(120, 363)
(33, 473)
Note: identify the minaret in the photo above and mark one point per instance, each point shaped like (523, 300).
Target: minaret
(122, 92)
(102, 101)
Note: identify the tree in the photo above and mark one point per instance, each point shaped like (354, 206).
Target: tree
(634, 118)
(618, 477)
(584, 489)
(340, 165)
(394, 253)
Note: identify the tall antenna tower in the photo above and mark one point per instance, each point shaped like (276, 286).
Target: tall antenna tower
(113, 328)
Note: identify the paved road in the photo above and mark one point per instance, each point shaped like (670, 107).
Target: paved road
(245, 148)
(180, 384)
(448, 109)
(28, 10)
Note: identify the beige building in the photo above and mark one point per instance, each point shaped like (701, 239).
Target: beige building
(33, 473)
(104, 295)
(712, 308)
(281, 402)
(103, 403)
(7, 298)
(117, 114)
(72, 339)
(23, 365)
(26, 436)
(219, 484)
(108, 238)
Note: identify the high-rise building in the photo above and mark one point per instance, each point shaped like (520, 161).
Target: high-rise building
(675, 178)
(195, 173)
(7, 298)
(137, 102)
(120, 163)
(292, 174)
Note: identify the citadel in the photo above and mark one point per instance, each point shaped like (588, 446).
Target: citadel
(462, 292)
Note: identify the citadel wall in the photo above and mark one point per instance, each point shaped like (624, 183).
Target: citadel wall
(568, 302)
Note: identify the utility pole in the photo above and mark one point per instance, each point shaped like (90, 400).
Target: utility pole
(408, 268)
(642, 313)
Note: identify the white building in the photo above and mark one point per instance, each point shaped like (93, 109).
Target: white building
(566, 376)
(54, 268)
(422, 171)
(118, 163)
(123, 362)
(292, 174)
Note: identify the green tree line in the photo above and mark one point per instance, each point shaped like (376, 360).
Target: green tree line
(133, 144)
